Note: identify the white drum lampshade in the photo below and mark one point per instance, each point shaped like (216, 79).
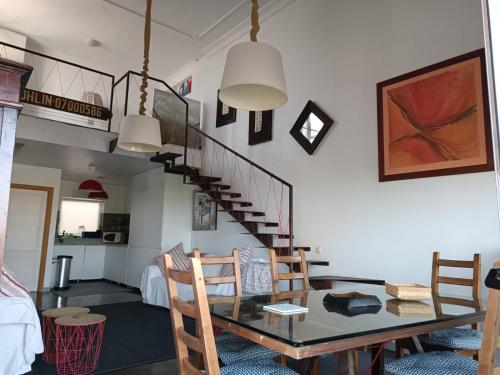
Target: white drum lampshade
(139, 133)
(253, 77)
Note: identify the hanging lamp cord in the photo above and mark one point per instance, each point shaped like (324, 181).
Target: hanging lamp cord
(255, 21)
(147, 38)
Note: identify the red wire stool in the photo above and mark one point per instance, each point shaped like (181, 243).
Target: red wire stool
(78, 343)
(49, 329)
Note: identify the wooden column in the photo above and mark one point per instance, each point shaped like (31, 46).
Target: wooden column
(13, 79)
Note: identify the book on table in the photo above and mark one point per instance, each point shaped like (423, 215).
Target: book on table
(286, 309)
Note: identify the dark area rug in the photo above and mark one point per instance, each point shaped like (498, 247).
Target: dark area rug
(90, 288)
(135, 334)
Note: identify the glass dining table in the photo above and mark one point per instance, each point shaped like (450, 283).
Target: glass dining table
(325, 329)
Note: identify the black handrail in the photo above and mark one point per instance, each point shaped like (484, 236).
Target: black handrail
(240, 156)
(289, 185)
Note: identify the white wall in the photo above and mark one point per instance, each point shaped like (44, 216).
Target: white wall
(177, 213)
(334, 53)
(27, 174)
(160, 218)
(118, 202)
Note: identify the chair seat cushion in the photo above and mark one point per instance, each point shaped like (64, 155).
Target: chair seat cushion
(232, 348)
(263, 367)
(433, 363)
(455, 338)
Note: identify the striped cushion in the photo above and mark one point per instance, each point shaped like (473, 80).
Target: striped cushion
(10, 287)
(244, 256)
(433, 363)
(179, 259)
(455, 338)
(262, 367)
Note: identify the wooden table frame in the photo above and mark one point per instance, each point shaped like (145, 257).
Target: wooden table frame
(343, 345)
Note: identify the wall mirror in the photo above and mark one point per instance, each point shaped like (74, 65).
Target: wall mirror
(311, 127)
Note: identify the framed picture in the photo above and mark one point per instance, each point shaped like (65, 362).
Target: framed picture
(311, 127)
(171, 112)
(435, 121)
(183, 88)
(225, 114)
(260, 127)
(204, 212)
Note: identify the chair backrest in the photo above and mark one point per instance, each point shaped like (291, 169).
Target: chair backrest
(233, 260)
(289, 260)
(203, 342)
(475, 282)
(491, 341)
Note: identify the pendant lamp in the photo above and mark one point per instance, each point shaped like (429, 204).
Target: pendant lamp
(141, 133)
(253, 77)
(91, 185)
(98, 195)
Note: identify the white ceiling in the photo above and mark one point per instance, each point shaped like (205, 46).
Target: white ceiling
(74, 162)
(181, 29)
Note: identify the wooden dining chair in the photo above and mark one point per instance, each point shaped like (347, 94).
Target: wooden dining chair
(441, 362)
(464, 341)
(491, 341)
(288, 260)
(231, 348)
(203, 342)
(231, 260)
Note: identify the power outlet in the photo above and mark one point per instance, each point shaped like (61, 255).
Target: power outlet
(318, 249)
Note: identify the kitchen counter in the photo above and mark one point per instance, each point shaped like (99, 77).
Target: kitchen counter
(86, 242)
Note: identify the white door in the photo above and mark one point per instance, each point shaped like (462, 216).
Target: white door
(23, 244)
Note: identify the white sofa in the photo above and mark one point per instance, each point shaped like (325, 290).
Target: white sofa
(20, 335)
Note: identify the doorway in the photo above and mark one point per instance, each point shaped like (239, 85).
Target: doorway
(28, 226)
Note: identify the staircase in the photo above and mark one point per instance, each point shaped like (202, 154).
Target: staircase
(258, 200)
(231, 202)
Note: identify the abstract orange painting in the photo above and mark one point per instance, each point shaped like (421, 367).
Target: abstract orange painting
(435, 121)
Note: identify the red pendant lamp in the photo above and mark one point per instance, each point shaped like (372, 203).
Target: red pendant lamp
(98, 195)
(91, 185)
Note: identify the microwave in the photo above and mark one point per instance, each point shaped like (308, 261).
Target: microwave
(112, 237)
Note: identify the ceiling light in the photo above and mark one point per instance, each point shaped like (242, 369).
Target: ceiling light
(253, 77)
(98, 195)
(91, 185)
(141, 133)
(92, 42)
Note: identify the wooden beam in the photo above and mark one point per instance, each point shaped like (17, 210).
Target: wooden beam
(13, 78)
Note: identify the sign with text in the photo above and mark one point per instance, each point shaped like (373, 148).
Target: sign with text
(60, 103)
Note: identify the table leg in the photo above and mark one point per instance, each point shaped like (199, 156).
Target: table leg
(309, 366)
(378, 365)
(346, 363)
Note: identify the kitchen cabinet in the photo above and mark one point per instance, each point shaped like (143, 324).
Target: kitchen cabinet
(78, 254)
(93, 263)
(115, 265)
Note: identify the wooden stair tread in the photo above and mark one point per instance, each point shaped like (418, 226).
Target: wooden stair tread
(227, 201)
(250, 222)
(203, 185)
(351, 279)
(262, 235)
(167, 156)
(204, 179)
(180, 169)
(282, 249)
(253, 213)
(227, 193)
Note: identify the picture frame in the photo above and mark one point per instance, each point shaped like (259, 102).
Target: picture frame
(435, 121)
(260, 127)
(225, 114)
(204, 212)
(311, 127)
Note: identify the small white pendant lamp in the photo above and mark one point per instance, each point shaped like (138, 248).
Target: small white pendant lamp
(141, 133)
(253, 77)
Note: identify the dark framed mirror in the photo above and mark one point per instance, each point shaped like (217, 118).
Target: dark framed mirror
(225, 114)
(311, 127)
